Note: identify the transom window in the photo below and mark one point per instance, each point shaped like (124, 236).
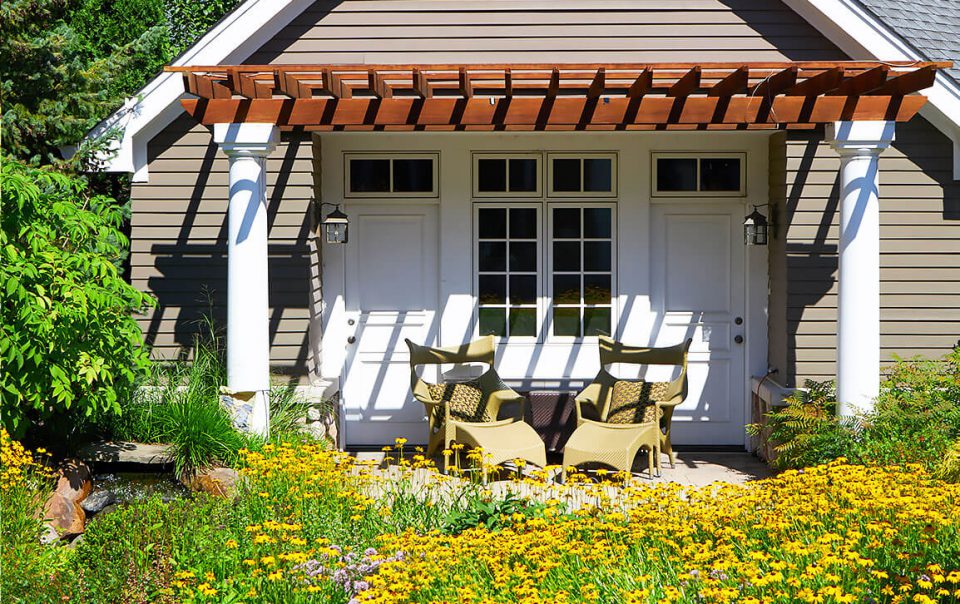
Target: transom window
(508, 261)
(582, 175)
(704, 174)
(403, 175)
(581, 270)
(500, 175)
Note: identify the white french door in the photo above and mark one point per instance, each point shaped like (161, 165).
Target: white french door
(391, 294)
(698, 291)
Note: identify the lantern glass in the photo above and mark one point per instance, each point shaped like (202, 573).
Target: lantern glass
(755, 228)
(336, 226)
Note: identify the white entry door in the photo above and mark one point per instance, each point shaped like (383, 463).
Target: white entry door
(391, 294)
(698, 291)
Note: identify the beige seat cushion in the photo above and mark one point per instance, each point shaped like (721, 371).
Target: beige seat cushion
(466, 400)
(632, 401)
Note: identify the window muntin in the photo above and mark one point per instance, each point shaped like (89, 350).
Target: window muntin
(582, 175)
(400, 175)
(506, 175)
(714, 174)
(508, 275)
(581, 270)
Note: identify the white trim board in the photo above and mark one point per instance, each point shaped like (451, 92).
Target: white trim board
(862, 36)
(237, 36)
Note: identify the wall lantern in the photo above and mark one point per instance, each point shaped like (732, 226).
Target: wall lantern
(755, 228)
(335, 226)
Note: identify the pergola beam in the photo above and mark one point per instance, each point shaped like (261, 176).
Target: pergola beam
(555, 96)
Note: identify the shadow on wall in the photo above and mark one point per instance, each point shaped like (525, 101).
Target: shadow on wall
(192, 281)
(812, 262)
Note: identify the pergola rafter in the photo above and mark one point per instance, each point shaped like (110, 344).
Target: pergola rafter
(557, 96)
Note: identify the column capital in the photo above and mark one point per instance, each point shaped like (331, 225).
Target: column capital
(866, 137)
(246, 139)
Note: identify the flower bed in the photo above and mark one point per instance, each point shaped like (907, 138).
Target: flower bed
(316, 526)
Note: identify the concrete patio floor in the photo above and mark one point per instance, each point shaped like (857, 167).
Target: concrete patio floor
(693, 468)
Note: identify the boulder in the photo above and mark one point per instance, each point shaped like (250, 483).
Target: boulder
(219, 482)
(65, 515)
(75, 481)
(95, 502)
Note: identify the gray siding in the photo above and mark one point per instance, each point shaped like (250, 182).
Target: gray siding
(179, 243)
(920, 251)
(531, 31)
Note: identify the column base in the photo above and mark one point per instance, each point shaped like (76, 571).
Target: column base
(248, 411)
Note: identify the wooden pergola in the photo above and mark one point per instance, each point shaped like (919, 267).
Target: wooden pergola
(672, 96)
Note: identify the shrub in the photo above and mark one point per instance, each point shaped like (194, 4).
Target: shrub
(916, 419)
(807, 431)
(68, 338)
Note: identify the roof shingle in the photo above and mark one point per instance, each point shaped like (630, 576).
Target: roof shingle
(932, 27)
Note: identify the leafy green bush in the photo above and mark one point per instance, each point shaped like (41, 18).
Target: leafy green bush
(68, 339)
(916, 419)
(492, 514)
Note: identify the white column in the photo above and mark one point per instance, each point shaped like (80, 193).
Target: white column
(858, 322)
(248, 313)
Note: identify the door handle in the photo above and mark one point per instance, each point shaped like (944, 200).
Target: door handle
(738, 339)
(352, 339)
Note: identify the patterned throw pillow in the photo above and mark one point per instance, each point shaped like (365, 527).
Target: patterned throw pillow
(632, 401)
(466, 400)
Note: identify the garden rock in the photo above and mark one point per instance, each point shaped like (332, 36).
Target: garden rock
(75, 481)
(126, 452)
(49, 535)
(97, 501)
(66, 516)
(219, 482)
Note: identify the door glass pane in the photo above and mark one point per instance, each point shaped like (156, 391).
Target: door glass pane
(596, 256)
(566, 223)
(596, 289)
(413, 175)
(596, 223)
(523, 321)
(566, 175)
(523, 289)
(597, 174)
(491, 175)
(493, 321)
(566, 322)
(492, 223)
(676, 174)
(720, 174)
(369, 175)
(523, 256)
(596, 321)
(566, 255)
(523, 223)
(492, 289)
(523, 175)
(566, 289)
(492, 255)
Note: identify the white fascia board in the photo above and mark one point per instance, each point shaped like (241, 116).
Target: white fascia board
(862, 36)
(231, 41)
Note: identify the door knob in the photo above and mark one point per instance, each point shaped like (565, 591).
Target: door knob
(738, 339)
(352, 339)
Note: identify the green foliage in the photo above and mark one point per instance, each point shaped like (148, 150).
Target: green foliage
(188, 19)
(68, 339)
(492, 514)
(916, 419)
(807, 431)
(180, 405)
